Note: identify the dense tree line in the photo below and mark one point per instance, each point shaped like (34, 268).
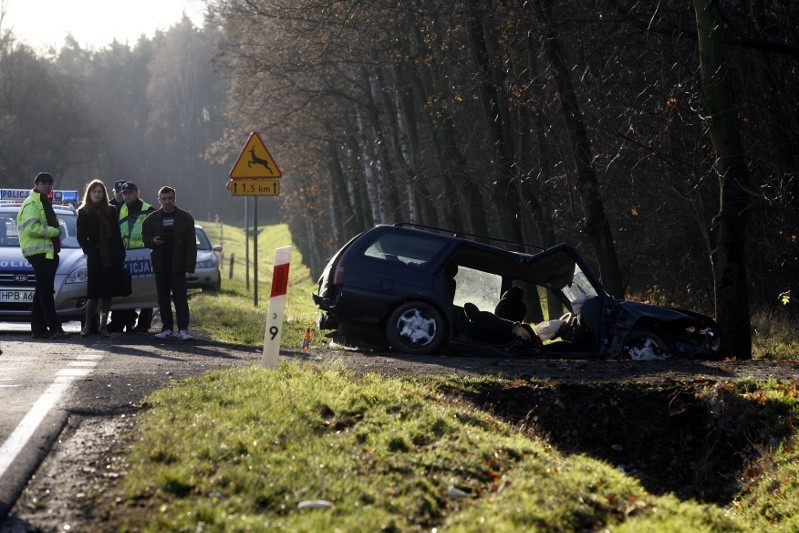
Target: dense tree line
(146, 112)
(596, 123)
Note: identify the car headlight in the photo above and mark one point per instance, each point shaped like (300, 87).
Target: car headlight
(206, 263)
(79, 275)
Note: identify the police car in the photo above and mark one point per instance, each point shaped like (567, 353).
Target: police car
(206, 275)
(17, 279)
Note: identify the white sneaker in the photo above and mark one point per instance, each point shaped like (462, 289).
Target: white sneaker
(184, 335)
(164, 334)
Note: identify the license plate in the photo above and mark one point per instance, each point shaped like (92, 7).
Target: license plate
(15, 295)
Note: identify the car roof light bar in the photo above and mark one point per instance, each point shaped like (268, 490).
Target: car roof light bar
(17, 196)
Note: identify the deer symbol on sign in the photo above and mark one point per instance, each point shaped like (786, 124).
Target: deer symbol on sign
(255, 160)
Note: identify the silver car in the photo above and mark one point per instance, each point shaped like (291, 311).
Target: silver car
(17, 280)
(206, 274)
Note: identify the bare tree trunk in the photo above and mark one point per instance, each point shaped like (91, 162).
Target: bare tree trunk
(498, 121)
(356, 188)
(457, 183)
(389, 184)
(596, 223)
(402, 115)
(348, 223)
(729, 255)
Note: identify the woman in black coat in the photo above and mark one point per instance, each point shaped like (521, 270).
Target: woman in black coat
(101, 241)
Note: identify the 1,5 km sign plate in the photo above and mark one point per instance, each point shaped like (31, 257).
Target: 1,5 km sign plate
(254, 187)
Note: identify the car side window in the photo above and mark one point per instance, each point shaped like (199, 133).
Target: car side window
(202, 241)
(9, 235)
(69, 223)
(407, 250)
(478, 287)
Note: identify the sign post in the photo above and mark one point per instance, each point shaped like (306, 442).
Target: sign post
(277, 305)
(255, 174)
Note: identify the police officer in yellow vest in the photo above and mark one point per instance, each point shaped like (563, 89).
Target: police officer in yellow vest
(39, 238)
(131, 216)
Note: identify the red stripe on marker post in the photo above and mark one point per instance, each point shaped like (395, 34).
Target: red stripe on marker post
(280, 280)
(277, 305)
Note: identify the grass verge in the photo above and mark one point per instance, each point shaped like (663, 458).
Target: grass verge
(269, 448)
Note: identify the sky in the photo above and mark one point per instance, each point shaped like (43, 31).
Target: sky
(93, 23)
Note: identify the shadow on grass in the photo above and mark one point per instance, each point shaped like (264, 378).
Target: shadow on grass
(694, 439)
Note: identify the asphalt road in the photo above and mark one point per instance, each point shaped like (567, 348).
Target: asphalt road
(45, 383)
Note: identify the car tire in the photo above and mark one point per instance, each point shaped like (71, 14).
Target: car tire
(415, 327)
(644, 345)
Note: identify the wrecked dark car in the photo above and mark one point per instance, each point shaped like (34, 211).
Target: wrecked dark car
(424, 290)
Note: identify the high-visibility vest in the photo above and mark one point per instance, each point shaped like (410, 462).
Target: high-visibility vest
(131, 233)
(34, 233)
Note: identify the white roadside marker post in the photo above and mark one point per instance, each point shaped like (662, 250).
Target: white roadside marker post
(277, 304)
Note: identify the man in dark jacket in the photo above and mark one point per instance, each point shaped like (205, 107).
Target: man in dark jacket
(169, 232)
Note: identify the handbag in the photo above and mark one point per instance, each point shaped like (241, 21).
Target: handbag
(124, 281)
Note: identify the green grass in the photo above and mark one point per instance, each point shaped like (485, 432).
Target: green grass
(232, 315)
(390, 454)
(774, 336)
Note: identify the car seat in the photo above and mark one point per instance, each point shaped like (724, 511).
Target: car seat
(487, 326)
(511, 306)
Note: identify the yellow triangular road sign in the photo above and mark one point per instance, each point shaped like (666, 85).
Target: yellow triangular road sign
(255, 161)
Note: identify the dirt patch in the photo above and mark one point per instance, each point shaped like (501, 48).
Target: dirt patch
(82, 464)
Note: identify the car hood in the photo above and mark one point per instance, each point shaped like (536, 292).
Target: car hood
(632, 311)
(628, 314)
(70, 259)
(205, 255)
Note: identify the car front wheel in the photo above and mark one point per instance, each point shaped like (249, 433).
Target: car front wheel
(643, 345)
(415, 327)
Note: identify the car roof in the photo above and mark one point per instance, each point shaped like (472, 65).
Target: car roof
(14, 207)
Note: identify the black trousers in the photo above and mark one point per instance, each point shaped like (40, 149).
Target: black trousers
(172, 288)
(145, 318)
(43, 314)
(124, 318)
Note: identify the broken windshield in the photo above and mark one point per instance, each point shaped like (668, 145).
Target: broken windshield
(579, 286)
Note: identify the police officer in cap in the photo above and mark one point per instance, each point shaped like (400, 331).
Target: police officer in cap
(131, 216)
(118, 199)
